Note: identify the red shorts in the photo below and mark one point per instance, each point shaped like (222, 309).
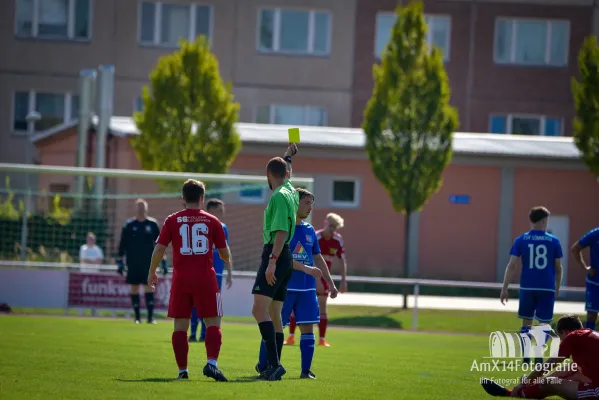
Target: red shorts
(325, 290)
(588, 391)
(205, 296)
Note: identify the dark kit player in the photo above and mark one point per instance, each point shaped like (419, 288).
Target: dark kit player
(270, 288)
(193, 234)
(138, 238)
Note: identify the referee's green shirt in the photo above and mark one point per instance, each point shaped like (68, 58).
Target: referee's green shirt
(281, 212)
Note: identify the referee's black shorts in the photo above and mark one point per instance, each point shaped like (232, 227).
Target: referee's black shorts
(278, 291)
(137, 274)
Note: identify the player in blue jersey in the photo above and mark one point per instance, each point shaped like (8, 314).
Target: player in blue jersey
(301, 291)
(215, 207)
(539, 254)
(590, 240)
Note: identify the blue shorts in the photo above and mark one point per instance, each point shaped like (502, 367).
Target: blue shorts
(592, 298)
(536, 304)
(304, 306)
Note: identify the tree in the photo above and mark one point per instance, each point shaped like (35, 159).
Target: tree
(586, 102)
(408, 121)
(189, 115)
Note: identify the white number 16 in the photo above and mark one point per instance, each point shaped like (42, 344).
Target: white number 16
(198, 239)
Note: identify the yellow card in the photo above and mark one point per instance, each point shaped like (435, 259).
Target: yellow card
(294, 136)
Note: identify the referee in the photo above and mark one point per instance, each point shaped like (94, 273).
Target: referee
(270, 288)
(137, 245)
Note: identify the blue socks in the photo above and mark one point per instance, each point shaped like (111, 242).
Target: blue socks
(203, 331)
(590, 324)
(194, 322)
(263, 358)
(307, 344)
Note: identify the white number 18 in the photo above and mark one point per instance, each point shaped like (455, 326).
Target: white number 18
(198, 239)
(537, 256)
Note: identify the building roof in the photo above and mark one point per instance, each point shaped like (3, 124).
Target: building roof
(354, 138)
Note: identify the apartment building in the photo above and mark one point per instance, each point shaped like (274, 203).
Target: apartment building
(509, 63)
(289, 61)
(304, 62)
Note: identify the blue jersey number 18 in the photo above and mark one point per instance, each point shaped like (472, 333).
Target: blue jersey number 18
(537, 256)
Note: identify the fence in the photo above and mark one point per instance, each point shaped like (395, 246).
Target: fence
(68, 286)
(49, 221)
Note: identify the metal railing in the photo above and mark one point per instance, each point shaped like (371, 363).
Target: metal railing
(415, 283)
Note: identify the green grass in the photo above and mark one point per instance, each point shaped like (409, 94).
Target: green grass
(476, 322)
(50, 357)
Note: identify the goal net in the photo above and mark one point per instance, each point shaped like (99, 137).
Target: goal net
(46, 212)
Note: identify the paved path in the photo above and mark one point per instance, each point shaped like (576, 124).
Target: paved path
(445, 303)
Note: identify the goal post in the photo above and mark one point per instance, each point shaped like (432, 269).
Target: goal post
(49, 221)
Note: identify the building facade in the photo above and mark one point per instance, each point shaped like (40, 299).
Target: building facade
(300, 62)
(464, 232)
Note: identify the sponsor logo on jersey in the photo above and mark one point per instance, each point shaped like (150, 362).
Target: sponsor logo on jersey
(333, 251)
(148, 229)
(309, 238)
(299, 253)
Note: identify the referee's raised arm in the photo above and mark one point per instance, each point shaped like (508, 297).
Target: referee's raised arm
(270, 287)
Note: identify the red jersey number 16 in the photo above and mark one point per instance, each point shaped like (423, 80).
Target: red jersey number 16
(198, 239)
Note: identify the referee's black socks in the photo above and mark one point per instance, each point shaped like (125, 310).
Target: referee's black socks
(135, 304)
(150, 305)
(267, 330)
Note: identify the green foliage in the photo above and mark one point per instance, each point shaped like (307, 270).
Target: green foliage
(43, 255)
(408, 121)
(586, 101)
(59, 214)
(189, 115)
(7, 209)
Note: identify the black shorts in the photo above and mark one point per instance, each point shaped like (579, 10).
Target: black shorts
(278, 291)
(137, 274)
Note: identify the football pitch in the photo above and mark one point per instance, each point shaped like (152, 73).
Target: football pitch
(51, 357)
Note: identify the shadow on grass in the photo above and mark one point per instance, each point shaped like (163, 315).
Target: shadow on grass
(367, 321)
(154, 380)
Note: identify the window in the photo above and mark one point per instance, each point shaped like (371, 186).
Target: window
(526, 125)
(164, 24)
(138, 104)
(345, 193)
(532, 42)
(55, 109)
(294, 31)
(438, 33)
(54, 19)
(60, 188)
(251, 193)
(291, 115)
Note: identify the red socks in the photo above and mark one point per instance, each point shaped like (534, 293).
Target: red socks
(292, 324)
(214, 339)
(181, 348)
(322, 326)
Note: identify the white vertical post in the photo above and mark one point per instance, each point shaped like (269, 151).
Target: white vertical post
(105, 106)
(87, 80)
(415, 318)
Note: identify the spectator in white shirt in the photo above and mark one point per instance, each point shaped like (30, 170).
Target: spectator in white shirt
(90, 253)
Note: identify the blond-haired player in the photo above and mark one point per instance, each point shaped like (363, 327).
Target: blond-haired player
(331, 247)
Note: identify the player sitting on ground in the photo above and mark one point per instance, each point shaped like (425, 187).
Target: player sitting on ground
(540, 254)
(591, 240)
(301, 290)
(193, 233)
(582, 345)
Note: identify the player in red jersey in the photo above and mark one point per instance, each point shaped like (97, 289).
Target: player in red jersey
(193, 233)
(578, 380)
(331, 247)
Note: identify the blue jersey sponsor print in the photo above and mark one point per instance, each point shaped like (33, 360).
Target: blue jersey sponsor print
(217, 262)
(538, 251)
(303, 246)
(591, 240)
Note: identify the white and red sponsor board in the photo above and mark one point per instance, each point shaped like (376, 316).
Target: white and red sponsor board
(107, 290)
